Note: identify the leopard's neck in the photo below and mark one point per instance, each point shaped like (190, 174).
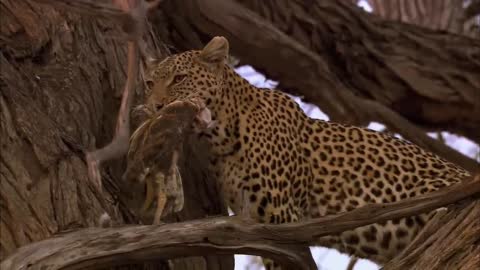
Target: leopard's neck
(228, 105)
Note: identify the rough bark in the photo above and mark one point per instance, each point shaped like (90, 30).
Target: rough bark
(450, 242)
(62, 75)
(107, 247)
(450, 15)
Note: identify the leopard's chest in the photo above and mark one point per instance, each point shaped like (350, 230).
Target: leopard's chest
(232, 180)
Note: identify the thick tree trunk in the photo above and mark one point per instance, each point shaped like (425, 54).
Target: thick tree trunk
(456, 16)
(62, 76)
(450, 242)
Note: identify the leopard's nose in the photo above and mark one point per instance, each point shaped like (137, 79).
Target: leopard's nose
(158, 106)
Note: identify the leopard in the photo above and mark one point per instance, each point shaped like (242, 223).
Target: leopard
(282, 166)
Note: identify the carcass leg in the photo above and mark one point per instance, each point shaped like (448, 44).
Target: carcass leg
(137, 9)
(119, 145)
(161, 200)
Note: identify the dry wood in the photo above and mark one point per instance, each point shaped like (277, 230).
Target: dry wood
(450, 242)
(449, 15)
(224, 235)
(93, 8)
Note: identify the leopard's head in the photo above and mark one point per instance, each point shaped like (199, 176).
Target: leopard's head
(196, 73)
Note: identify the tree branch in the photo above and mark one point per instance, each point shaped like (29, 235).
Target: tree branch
(224, 235)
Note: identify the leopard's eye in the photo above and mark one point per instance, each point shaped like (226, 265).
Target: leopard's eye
(179, 78)
(149, 84)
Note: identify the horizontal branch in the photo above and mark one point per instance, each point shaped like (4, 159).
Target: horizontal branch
(223, 235)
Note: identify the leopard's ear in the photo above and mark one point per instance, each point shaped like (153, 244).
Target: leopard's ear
(215, 53)
(151, 63)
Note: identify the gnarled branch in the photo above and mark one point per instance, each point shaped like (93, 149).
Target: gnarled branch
(114, 246)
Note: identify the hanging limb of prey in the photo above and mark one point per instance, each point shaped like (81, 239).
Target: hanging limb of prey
(172, 185)
(167, 188)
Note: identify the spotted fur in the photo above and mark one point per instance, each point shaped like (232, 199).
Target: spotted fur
(288, 167)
